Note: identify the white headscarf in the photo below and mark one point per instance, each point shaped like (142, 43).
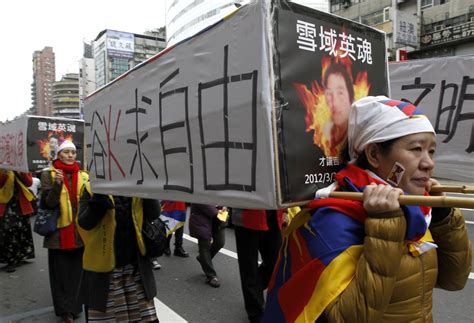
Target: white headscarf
(378, 119)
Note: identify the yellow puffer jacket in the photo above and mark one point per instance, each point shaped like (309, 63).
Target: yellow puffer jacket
(391, 285)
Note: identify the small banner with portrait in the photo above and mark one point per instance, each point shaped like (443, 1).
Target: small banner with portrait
(29, 144)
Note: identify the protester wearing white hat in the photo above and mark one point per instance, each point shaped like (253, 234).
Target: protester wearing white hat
(66, 153)
(66, 144)
(377, 123)
(61, 186)
(379, 261)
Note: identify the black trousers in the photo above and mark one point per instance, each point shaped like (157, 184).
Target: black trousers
(254, 278)
(65, 267)
(178, 237)
(208, 250)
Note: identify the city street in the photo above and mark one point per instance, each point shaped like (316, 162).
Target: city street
(182, 293)
(255, 104)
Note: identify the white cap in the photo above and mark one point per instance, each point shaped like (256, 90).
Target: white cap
(375, 119)
(66, 145)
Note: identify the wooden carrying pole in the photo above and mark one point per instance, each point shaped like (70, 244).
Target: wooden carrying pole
(453, 189)
(434, 201)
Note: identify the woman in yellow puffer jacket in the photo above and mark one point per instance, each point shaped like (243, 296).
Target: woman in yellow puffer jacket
(374, 260)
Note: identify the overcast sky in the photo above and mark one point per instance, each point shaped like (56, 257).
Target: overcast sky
(31, 25)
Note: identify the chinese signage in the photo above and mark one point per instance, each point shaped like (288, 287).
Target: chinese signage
(405, 26)
(444, 89)
(30, 143)
(193, 124)
(333, 43)
(13, 145)
(120, 44)
(200, 122)
(454, 33)
(325, 63)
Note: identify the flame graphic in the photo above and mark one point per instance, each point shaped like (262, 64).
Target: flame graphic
(361, 85)
(43, 144)
(318, 113)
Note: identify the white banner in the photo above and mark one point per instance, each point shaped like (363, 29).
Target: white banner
(444, 89)
(199, 122)
(193, 124)
(13, 145)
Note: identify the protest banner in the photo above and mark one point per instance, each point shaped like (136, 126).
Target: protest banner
(323, 68)
(29, 143)
(222, 117)
(444, 89)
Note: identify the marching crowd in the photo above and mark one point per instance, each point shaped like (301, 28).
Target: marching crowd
(334, 261)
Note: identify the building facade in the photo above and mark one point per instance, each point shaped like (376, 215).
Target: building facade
(44, 75)
(185, 18)
(447, 28)
(416, 28)
(66, 97)
(86, 76)
(321, 5)
(115, 52)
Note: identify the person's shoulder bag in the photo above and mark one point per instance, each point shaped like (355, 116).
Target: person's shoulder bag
(154, 237)
(46, 221)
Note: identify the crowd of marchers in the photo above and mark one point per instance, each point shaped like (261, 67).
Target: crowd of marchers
(330, 260)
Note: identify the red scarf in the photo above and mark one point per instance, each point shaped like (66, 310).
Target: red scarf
(67, 238)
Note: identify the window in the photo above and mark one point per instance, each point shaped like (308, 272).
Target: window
(374, 18)
(426, 3)
(119, 66)
(336, 7)
(386, 14)
(100, 69)
(191, 6)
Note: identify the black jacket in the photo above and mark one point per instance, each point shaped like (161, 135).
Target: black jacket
(94, 287)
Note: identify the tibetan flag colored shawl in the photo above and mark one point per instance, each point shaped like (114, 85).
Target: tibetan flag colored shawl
(173, 214)
(320, 251)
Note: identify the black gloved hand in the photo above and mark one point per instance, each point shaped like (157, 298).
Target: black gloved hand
(101, 201)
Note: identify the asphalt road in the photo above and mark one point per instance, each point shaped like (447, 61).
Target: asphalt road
(182, 293)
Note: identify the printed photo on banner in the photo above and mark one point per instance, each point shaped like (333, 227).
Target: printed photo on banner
(325, 63)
